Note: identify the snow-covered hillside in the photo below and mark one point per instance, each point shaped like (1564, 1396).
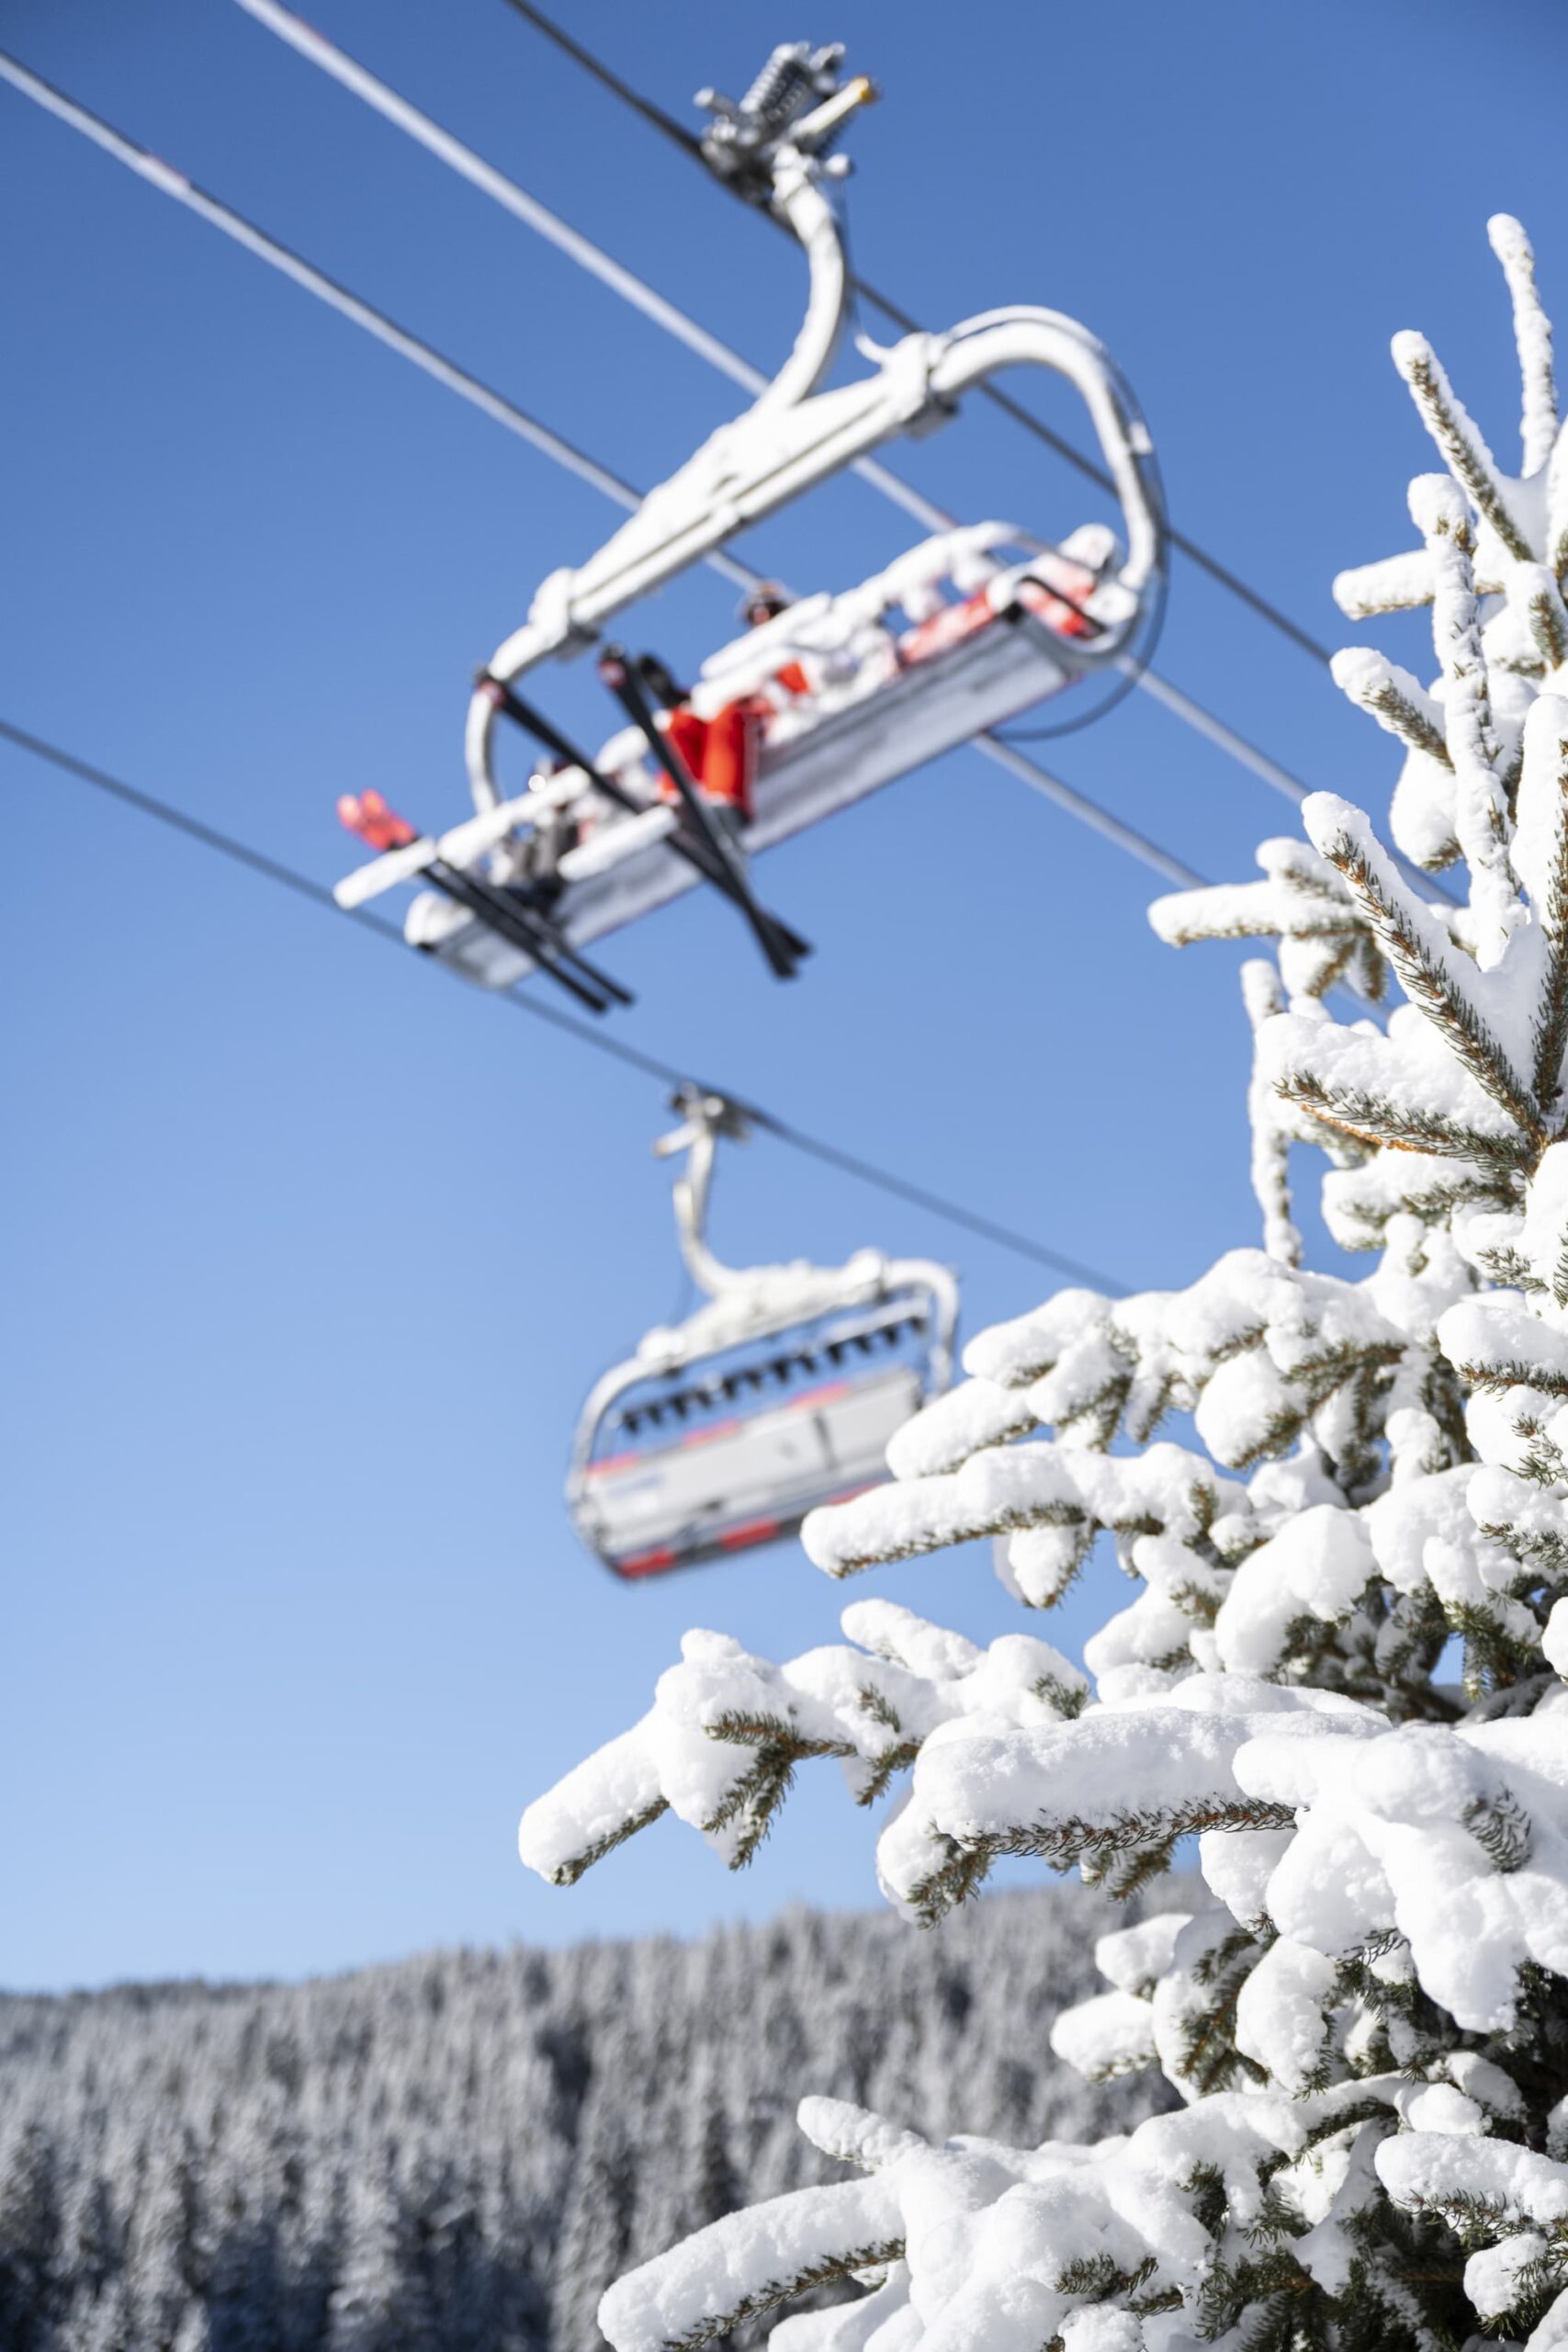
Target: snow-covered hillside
(459, 2154)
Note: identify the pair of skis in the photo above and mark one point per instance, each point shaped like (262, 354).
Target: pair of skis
(527, 928)
(699, 837)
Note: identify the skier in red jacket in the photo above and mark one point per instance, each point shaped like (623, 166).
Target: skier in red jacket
(721, 751)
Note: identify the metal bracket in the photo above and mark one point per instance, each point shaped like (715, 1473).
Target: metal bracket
(796, 101)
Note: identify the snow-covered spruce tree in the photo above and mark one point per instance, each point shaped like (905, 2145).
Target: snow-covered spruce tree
(1339, 1672)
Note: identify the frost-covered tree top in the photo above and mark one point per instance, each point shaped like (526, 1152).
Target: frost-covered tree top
(1342, 1667)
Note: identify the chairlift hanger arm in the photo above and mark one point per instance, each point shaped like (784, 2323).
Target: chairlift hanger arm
(742, 471)
(795, 434)
(692, 145)
(704, 1117)
(699, 1136)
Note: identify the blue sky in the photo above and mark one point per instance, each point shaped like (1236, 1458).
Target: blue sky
(313, 1253)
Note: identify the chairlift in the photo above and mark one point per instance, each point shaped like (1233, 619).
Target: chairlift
(822, 699)
(721, 1432)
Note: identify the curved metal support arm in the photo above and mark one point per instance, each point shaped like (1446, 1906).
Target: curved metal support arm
(708, 1118)
(799, 199)
(796, 435)
(1028, 336)
(554, 623)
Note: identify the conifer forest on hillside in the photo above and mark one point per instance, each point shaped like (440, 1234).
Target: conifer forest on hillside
(460, 2153)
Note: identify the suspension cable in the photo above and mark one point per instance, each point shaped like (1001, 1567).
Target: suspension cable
(351, 75)
(998, 748)
(622, 281)
(551, 445)
(282, 257)
(1248, 756)
(1002, 748)
(304, 885)
(687, 141)
(387, 102)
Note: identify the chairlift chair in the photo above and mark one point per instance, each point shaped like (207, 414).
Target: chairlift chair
(779, 1394)
(965, 630)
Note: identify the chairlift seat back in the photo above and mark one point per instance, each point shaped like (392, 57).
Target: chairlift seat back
(745, 1483)
(715, 1453)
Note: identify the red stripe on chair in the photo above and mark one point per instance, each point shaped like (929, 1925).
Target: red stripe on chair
(756, 1531)
(647, 1564)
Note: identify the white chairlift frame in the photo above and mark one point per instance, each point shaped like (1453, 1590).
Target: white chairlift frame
(796, 435)
(793, 437)
(748, 1305)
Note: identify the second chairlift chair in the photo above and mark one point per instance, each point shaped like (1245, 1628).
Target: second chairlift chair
(780, 1393)
(841, 692)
